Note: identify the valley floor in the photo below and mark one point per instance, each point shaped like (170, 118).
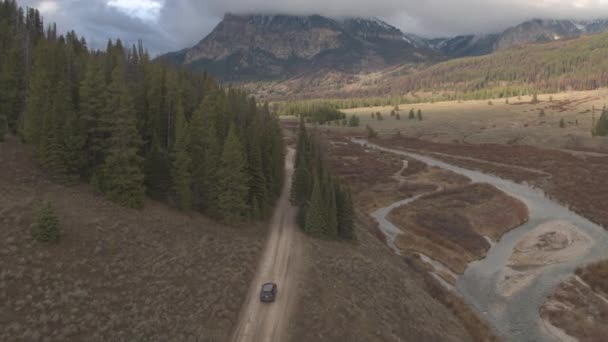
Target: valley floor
(570, 178)
(518, 122)
(516, 140)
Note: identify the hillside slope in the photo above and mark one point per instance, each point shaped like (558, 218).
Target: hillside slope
(117, 274)
(571, 64)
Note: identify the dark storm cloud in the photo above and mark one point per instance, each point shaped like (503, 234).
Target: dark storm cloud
(181, 23)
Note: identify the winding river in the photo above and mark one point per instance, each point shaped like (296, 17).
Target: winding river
(515, 318)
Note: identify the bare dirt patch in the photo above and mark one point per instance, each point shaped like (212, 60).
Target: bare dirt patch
(451, 226)
(550, 243)
(117, 274)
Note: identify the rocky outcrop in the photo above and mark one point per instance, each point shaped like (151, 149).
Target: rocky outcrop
(279, 46)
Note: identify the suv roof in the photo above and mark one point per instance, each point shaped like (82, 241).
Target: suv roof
(268, 286)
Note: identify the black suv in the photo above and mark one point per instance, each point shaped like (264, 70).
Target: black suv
(269, 292)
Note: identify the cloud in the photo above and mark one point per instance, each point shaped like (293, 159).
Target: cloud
(168, 25)
(143, 9)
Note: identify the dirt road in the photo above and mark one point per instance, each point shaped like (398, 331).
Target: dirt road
(281, 264)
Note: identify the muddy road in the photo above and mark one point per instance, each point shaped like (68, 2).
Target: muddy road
(516, 316)
(280, 263)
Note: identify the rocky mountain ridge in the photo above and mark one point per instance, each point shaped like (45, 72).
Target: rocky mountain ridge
(271, 47)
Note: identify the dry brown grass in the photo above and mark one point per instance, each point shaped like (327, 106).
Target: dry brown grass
(576, 309)
(596, 275)
(475, 326)
(374, 295)
(575, 179)
(518, 122)
(450, 226)
(363, 292)
(117, 274)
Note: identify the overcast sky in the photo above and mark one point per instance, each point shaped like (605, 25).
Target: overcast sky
(169, 25)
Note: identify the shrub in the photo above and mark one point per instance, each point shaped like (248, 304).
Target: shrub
(535, 98)
(3, 127)
(601, 125)
(47, 227)
(371, 133)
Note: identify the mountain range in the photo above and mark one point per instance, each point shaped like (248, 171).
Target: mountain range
(268, 47)
(320, 51)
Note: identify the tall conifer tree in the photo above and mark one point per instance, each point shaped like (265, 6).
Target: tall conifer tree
(123, 178)
(233, 181)
(181, 162)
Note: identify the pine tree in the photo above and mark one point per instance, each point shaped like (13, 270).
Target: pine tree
(419, 115)
(157, 171)
(316, 216)
(301, 186)
(181, 162)
(601, 126)
(74, 142)
(211, 172)
(258, 197)
(12, 81)
(275, 165)
(233, 180)
(332, 210)
(412, 115)
(51, 148)
(47, 227)
(92, 114)
(345, 213)
(122, 176)
(38, 97)
(196, 151)
(3, 127)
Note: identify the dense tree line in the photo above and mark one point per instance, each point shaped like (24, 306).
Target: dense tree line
(558, 66)
(577, 64)
(295, 107)
(321, 114)
(134, 127)
(325, 204)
